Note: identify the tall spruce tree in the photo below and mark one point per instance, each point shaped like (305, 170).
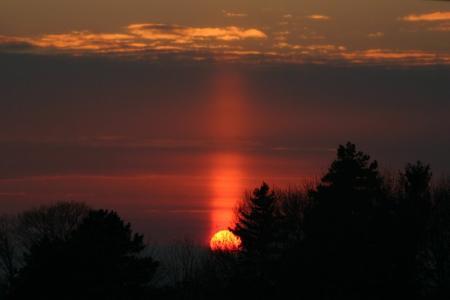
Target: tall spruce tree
(257, 222)
(342, 229)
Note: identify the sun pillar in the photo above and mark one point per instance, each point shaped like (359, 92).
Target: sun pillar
(227, 123)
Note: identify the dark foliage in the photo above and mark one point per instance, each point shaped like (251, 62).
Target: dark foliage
(257, 228)
(341, 226)
(100, 260)
(9, 254)
(436, 274)
(257, 223)
(19, 233)
(413, 217)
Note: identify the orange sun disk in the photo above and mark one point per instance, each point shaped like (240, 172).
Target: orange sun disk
(225, 240)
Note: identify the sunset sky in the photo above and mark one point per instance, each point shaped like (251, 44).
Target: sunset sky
(167, 111)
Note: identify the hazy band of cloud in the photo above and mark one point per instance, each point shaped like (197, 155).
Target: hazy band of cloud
(444, 27)
(233, 14)
(377, 34)
(428, 17)
(440, 20)
(329, 52)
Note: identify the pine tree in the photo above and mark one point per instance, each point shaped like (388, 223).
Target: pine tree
(342, 225)
(256, 222)
(257, 227)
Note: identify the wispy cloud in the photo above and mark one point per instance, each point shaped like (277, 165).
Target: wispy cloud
(375, 35)
(318, 17)
(410, 57)
(329, 53)
(233, 14)
(428, 17)
(444, 27)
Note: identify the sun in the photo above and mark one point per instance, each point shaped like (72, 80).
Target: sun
(225, 240)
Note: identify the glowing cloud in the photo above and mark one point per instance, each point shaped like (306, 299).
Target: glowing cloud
(82, 40)
(152, 31)
(429, 17)
(147, 37)
(319, 17)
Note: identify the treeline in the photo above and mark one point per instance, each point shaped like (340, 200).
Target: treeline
(356, 234)
(69, 251)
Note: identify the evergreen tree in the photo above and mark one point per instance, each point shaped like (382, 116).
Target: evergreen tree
(341, 226)
(256, 226)
(100, 260)
(256, 222)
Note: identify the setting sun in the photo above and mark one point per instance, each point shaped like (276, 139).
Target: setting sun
(225, 240)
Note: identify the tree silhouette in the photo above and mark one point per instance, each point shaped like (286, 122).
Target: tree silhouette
(414, 216)
(100, 260)
(9, 252)
(52, 222)
(438, 272)
(290, 272)
(341, 223)
(291, 206)
(256, 222)
(19, 232)
(416, 198)
(256, 227)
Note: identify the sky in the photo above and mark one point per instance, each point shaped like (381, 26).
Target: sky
(168, 111)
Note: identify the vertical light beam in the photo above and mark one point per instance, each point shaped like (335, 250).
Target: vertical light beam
(228, 125)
